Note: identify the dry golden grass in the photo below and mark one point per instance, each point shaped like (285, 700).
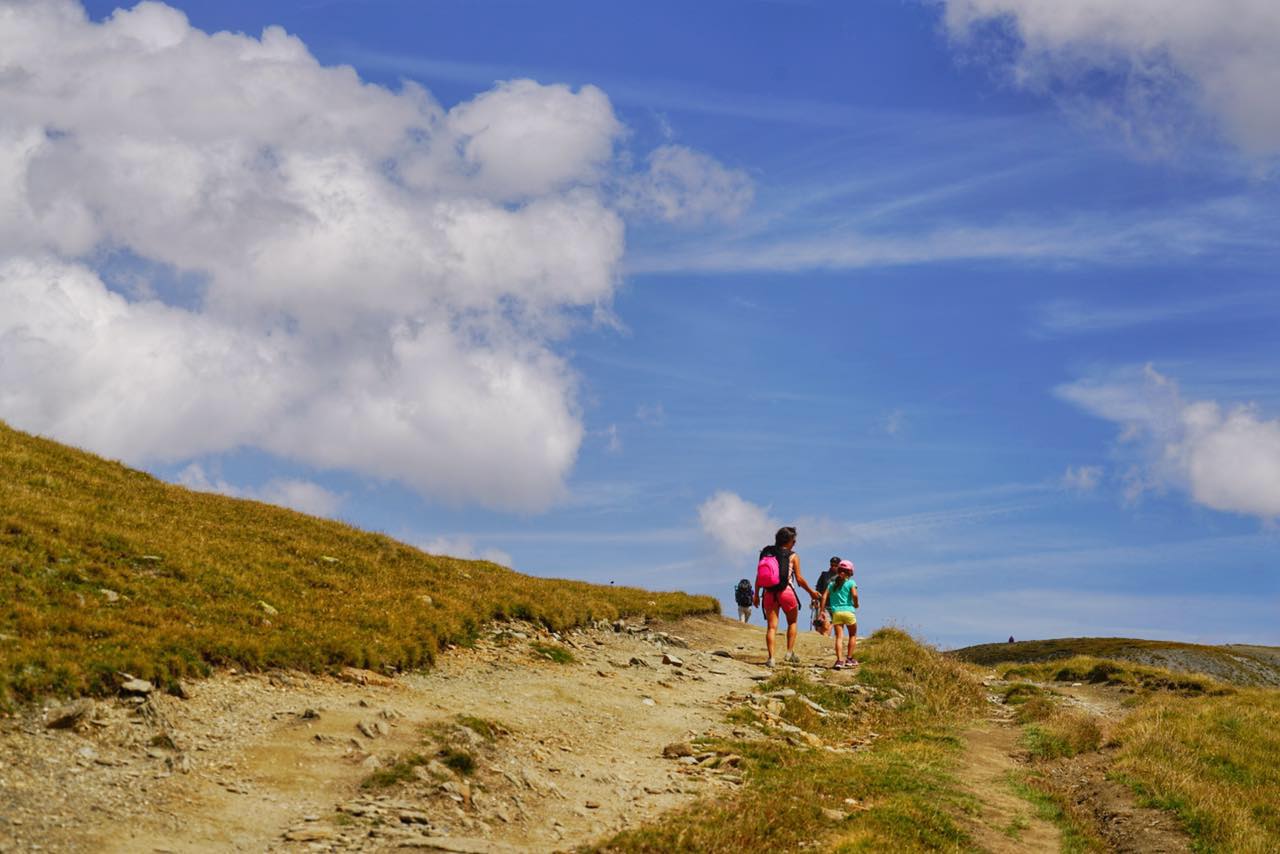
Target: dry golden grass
(105, 569)
(1054, 731)
(1215, 760)
(1098, 671)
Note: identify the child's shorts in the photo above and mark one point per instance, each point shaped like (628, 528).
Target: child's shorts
(844, 618)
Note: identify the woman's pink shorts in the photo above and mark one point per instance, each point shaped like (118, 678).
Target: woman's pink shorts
(786, 601)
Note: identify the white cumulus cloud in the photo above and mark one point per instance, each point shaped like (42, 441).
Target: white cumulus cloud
(1221, 55)
(465, 548)
(684, 185)
(736, 526)
(1226, 458)
(302, 495)
(345, 275)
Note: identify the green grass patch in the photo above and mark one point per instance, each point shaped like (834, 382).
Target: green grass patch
(398, 772)
(461, 761)
(1078, 836)
(1020, 692)
(558, 654)
(106, 569)
(1097, 671)
(487, 729)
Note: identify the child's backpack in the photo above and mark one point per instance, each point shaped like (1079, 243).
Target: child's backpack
(742, 594)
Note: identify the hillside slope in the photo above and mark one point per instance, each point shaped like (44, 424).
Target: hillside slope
(1238, 664)
(106, 570)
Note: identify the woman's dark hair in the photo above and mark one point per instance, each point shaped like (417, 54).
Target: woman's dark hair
(785, 536)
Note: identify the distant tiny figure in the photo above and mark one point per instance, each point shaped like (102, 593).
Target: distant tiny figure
(841, 600)
(1011, 639)
(742, 595)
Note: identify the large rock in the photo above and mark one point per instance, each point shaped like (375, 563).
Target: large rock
(677, 749)
(137, 687)
(65, 717)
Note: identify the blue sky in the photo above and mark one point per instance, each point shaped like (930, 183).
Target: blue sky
(991, 324)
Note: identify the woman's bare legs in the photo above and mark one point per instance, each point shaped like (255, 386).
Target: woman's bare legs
(771, 630)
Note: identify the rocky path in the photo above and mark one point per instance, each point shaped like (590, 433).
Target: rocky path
(528, 741)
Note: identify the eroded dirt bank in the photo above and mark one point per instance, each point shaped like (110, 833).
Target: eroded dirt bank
(562, 751)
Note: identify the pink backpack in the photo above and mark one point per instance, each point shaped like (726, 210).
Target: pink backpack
(767, 572)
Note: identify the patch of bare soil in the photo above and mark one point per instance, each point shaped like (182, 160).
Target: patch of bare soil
(1004, 822)
(501, 747)
(1126, 826)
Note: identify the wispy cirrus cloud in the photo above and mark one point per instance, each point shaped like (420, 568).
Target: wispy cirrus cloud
(1060, 318)
(1108, 238)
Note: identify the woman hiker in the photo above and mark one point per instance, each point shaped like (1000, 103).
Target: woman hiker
(781, 596)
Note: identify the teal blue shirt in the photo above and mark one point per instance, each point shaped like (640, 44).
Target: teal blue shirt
(840, 595)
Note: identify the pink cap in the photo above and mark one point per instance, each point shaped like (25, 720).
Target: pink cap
(846, 564)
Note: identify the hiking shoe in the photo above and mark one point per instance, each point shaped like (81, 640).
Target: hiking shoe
(769, 663)
(792, 658)
(853, 662)
(839, 665)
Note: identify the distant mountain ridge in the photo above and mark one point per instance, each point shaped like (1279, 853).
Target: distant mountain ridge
(1239, 664)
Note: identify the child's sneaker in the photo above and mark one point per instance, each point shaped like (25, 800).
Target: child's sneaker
(853, 662)
(839, 665)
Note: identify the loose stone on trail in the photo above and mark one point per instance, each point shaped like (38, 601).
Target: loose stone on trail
(136, 687)
(66, 717)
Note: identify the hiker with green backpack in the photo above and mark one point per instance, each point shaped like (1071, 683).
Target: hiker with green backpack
(779, 565)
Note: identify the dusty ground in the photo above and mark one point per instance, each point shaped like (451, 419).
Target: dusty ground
(1005, 822)
(255, 762)
(563, 753)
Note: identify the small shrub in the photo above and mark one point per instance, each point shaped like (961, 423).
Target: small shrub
(558, 654)
(488, 730)
(398, 772)
(459, 760)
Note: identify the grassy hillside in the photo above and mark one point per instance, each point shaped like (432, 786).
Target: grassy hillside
(1241, 665)
(1204, 749)
(105, 569)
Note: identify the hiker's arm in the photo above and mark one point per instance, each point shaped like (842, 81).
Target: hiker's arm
(795, 567)
(855, 597)
(755, 597)
(825, 594)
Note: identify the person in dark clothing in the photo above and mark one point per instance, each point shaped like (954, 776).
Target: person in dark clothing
(821, 620)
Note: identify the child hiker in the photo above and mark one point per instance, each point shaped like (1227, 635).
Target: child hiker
(840, 600)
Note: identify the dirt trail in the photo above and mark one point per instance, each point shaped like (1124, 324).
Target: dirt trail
(274, 762)
(1110, 807)
(1005, 821)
